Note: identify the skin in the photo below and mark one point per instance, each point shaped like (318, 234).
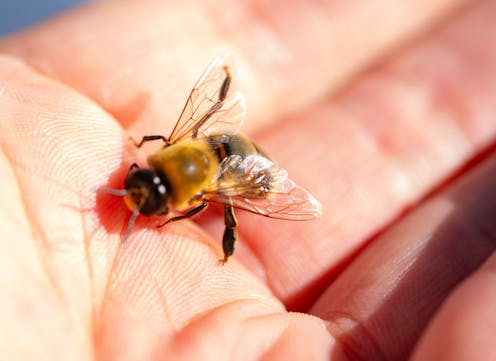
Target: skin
(385, 113)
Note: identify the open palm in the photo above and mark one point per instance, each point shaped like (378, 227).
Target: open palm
(368, 279)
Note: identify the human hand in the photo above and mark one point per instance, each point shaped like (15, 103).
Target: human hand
(371, 277)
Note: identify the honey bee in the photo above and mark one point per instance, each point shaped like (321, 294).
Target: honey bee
(206, 160)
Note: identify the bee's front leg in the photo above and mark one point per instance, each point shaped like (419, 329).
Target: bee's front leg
(230, 233)
(188, 214)
(149, 138)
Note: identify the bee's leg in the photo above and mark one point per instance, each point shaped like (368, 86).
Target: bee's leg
(188, 214)
(230, 234)
(224, 88)
(148, 138)
(225, 85)
(131, 167)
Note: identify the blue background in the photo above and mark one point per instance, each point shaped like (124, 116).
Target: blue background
(16, 14)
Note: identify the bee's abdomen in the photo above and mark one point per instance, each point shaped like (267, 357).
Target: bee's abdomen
(235, 144)
(252, 183)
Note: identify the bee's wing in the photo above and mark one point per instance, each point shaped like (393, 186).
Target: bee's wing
(254, 184)
(203, 112)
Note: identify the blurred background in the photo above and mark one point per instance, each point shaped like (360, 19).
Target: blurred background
(15, 15)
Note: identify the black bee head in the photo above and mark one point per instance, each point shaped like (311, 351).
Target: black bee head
(146, 192)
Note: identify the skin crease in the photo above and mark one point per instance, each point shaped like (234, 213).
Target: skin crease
(399, 119)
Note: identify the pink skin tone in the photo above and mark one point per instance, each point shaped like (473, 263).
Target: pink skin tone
(385, 113)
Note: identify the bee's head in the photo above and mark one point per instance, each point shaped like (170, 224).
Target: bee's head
(146, 192)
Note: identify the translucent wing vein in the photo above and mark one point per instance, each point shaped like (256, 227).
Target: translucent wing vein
(204, 112)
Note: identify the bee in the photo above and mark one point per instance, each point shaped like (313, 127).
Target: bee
(206, 160)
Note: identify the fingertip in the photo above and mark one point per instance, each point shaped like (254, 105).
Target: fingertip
(463, 328)
(60, 144)
(41, 112)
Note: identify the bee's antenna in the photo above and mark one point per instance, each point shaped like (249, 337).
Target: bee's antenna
(130, 225)
(136, 212)
(114, 192)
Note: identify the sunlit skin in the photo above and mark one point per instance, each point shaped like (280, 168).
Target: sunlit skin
(386, 273)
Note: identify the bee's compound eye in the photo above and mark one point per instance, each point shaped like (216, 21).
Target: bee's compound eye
(146, 191)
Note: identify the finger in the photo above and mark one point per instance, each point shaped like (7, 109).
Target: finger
(24, 283)
(264, 337)
(140, 60)
(383, 301)
(44, 254)
(462, 329)
(375, 150)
